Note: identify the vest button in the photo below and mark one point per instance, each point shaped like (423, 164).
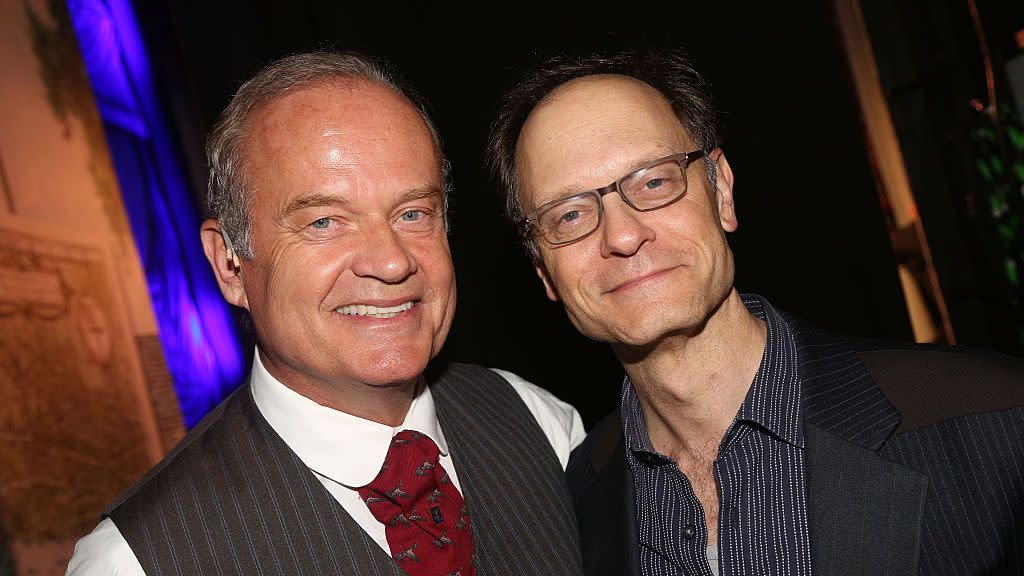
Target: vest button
(689, 532)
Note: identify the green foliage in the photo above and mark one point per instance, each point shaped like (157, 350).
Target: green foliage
(998, 157)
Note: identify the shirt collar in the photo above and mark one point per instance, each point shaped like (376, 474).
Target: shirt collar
(773, 401)
(342, 447)
(638, 441)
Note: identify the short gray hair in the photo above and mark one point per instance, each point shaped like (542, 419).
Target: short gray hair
(228, 198)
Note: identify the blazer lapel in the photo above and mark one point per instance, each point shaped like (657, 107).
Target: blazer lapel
(865, 511)
(607, 508)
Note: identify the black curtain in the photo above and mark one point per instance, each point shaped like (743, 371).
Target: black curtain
(812, 238)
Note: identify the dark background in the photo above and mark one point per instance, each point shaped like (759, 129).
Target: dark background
(812, 236)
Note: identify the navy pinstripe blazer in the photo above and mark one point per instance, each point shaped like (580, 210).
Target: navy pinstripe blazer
(915, 464)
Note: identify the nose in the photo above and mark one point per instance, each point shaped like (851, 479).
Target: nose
(623, 229)
(384, 256)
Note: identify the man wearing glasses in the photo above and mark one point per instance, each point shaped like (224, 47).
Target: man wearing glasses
(745, 443)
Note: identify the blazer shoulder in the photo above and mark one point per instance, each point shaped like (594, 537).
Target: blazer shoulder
(597, 450)
(930, 384)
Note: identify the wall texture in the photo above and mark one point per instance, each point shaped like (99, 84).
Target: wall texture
(83, 396)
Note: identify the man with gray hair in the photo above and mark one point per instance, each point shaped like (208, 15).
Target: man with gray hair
(746, 442)
(340, 455)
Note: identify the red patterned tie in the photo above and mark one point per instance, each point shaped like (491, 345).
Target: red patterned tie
(424, 516)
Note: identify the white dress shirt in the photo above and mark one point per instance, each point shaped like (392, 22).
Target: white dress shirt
(322, 439)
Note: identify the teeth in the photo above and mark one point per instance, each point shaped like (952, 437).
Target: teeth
(370, 310)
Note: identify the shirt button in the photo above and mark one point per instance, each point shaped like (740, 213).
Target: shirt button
(689, 531)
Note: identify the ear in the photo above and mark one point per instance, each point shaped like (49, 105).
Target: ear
(723, 193)
(225, 264)
(549, 287)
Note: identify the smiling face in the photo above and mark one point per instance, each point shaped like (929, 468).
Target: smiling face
(641, 277)
(352, 281)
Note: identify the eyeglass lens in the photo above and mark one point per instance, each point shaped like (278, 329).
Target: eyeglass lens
(646, 189)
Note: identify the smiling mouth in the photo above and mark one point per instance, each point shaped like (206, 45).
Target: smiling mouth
(641, 280)
(379, 312)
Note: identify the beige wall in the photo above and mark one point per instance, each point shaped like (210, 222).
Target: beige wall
(77, 424)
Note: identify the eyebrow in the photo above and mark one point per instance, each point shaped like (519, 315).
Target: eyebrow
(421, 193)
(312, 200)
(316, 199)
(574, 189)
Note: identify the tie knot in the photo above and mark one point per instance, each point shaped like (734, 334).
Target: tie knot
(425, 518)
(412, 440)
(408, 472)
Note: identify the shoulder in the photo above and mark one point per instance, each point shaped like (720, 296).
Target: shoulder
(200, 440)
(465, 377)
(597, 451)
(559, 420)
(104, 551)
(544, 405)
(925, 383)
(930, 384)
(472, 383)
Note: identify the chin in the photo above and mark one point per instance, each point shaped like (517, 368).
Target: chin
(641, 334)
(395, 368)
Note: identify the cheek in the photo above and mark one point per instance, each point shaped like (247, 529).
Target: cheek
(435, 264)
(302, 277)
(435, 261)
(692, 229)
(573, 281)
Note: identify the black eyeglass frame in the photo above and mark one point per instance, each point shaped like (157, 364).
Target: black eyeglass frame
(527, 223)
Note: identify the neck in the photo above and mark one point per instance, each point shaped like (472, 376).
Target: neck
(386, 404)
(691, 386)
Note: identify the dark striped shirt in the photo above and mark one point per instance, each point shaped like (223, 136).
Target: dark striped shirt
(762, 526)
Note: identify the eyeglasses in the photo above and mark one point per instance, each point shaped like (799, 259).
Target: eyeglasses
(654, 185)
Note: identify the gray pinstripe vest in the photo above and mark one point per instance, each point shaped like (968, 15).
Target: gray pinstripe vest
(232, 498)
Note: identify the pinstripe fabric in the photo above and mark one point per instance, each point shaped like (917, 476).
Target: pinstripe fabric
(972, 520)
(763, 523)
(940, 494)
(523, 521)
(974, 516)
(232, 498)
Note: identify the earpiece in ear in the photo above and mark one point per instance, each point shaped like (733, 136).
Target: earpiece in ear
(232, 254)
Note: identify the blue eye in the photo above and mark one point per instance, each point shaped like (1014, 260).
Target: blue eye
(654, 183)
(412, 215)
(321, 223)
(570, 216)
